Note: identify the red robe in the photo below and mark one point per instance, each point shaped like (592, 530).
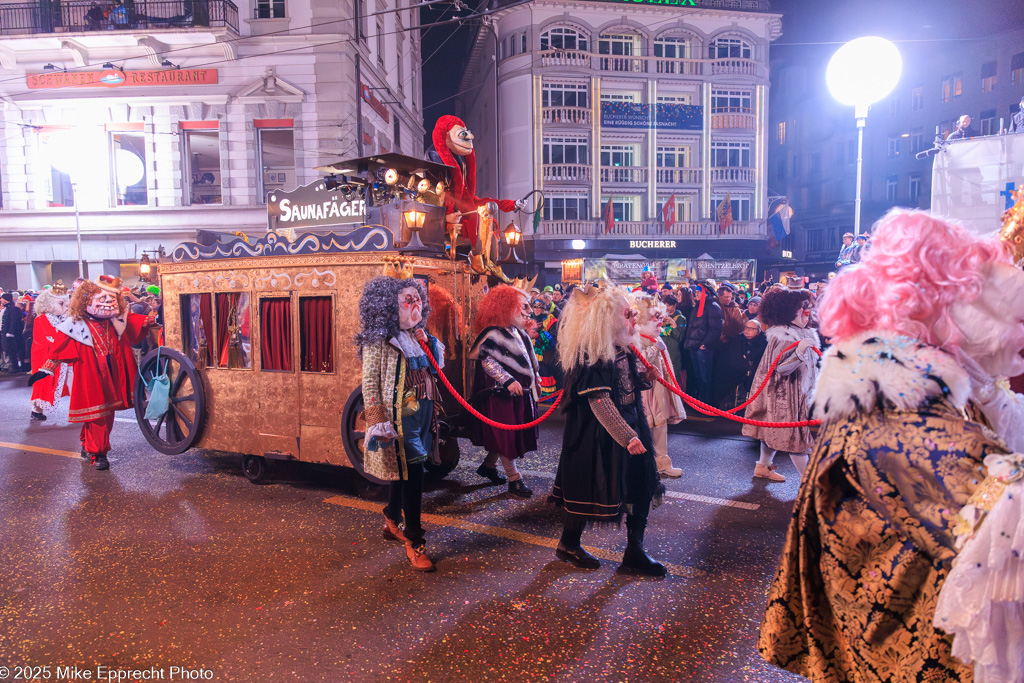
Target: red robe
(44, 337)
(105, 371)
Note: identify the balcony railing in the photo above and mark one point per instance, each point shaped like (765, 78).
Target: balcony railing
(732, 175)
(575, 115)
(567, 173)
(565, 58)
(27, 18)
(650, 64)
(742, 120)
(678, 176)
(623, 174)
(702, 229)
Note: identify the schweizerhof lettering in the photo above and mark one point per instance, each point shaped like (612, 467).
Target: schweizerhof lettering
(320, 211)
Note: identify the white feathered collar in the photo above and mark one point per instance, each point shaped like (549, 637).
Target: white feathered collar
(787, 334)
(79, 330)
(883, 369)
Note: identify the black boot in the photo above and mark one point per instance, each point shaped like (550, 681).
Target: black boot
(635, 558)
(38, 417)
(519, 488)
(100, 462)
(491, 473)
(85, 456)
(569, 548)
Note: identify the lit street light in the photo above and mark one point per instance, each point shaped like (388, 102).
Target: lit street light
(860, 73)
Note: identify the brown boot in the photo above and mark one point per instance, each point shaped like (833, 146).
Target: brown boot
(768, 473)
(418, 558)
(392, 531)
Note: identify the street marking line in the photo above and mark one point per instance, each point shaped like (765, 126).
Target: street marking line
(126, 419)
(693, 497)
(38, 449)
(501, 532)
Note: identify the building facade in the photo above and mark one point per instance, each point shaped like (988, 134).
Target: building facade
(633, 103)
(144, 122)
(812, 149)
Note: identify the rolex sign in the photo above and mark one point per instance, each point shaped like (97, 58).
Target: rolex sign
(313, 206)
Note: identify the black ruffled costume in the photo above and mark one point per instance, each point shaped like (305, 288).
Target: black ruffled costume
(597, 477)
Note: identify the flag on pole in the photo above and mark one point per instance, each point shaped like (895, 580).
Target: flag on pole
(668, 212)
(779, 221)
(608, 214)
(536, 221)
(725, 212)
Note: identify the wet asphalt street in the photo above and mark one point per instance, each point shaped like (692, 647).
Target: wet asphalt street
(179, 561)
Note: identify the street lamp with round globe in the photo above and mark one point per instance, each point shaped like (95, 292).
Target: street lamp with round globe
(860, 73)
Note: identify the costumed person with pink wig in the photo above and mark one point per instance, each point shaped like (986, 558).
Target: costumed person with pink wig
(453, 146)
(900, 451)
(786, 398)
(506, 385)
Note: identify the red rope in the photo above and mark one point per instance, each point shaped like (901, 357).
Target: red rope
(702, 407)
(477, 414)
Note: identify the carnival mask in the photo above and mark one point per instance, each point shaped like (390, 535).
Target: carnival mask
(460, 140)
(61, 305)
(992, 324)
(103, 305)
(626, 329)
(652, 326)
(520, 317)
(410, 308)
(803, 316)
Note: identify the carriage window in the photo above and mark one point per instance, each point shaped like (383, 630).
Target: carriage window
(234, 346)
(276, 334)
(316, 334)
(197, 328)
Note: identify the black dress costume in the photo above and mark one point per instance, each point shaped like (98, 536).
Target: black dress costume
(597, 477)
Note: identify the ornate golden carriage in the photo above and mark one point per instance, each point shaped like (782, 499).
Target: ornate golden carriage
(259, 344)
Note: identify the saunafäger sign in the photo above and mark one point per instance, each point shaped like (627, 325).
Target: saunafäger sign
(312, 206)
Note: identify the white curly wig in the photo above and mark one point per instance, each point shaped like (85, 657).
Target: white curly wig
(592, 325)
(48, 303)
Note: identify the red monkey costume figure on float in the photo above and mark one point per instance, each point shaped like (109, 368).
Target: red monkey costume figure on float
(453, 146)
(96, 341)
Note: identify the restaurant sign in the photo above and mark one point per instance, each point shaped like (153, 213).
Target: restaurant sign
(313, 206)
(115, 78)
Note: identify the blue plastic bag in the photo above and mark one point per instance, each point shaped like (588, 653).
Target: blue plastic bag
(159, 388)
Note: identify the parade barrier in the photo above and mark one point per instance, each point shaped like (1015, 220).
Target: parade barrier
(697, 405)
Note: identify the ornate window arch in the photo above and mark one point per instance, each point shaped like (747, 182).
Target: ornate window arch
(564, 37)
(677, 44)
(623, 41)
(730, 46)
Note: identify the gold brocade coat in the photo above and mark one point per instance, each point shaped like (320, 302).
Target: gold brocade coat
(871, 542)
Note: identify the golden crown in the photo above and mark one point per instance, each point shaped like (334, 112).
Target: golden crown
(523, 283)
(59, 288)
(1012, 232)
(398, 267)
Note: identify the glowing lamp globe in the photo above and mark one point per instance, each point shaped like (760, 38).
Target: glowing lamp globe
(130, 169)
(863, 71)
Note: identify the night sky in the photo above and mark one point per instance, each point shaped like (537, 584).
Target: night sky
(804, 22)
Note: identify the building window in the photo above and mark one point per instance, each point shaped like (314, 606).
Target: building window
(796, 165)
(673, 157)
(740, 206)
(619, 44)
(815, 165)
(567, 207)
(780, 169)
(1017, 68)
(952, 87)
(618, 155)
(730, 154)
(674, 99)
(563, 38)
(129, 169)
(894, 105)
(989, 125)
(816, 240)
(891, 184)
(730, 102)
(781, 133)
(913, 188)
(566, 150)
(360, 18)
(565, 95)
(201, 149)
(619, 97)
(988, 77)
(892, 147)
(277, 158)
(270, 9)
(398, 135)
(623, 208)
(917, 140)
(684, 208)
(380, 43)
(672, 47)
(917, 99)
(724, 48)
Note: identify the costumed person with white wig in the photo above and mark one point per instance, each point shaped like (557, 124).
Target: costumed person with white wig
(400, 395)
(606, 468)
(900, 451)
(661, 406)
(51, 310)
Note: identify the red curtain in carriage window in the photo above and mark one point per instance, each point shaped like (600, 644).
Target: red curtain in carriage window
(226, 303)
(206, 320)
(276, 334)
(315, 317)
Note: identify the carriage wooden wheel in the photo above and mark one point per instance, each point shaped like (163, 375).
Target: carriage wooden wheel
(176, 430)
(353, 428)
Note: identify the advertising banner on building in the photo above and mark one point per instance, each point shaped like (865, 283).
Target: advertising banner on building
(724, 269)
(622, 271)
(644, 116)
(675, 270)
(972, 180)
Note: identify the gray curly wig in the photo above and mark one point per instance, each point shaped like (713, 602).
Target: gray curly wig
(378, 308)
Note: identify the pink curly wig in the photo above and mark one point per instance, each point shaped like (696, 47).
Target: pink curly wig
(917, 268)
(498, 307)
